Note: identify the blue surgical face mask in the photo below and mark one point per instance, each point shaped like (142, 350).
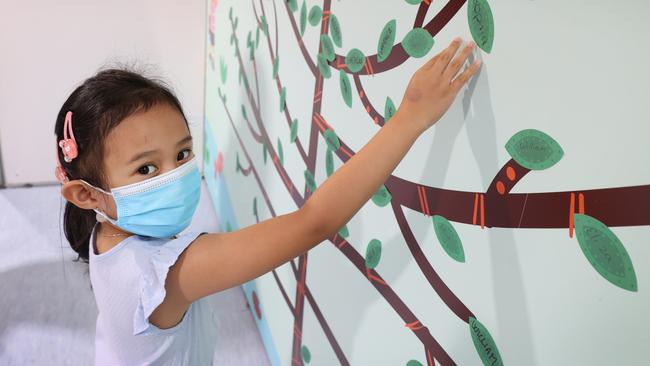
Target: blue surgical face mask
(159, 207)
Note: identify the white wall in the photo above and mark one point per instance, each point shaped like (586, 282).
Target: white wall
(48, 48)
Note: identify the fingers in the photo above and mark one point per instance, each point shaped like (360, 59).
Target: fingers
(451, 71)
(434, 59)
(463, 78)
(445, 56)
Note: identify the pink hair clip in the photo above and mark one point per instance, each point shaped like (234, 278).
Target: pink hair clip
(69, 148)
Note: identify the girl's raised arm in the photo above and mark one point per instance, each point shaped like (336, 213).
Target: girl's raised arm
(216, 262)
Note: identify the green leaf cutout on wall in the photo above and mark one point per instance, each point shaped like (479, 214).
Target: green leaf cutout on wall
(283, 98)
(335, 30)
(264, 25)
(448, 238)
(533, 149)
(605, 252)
(323, 66)
(257, 37)
(255, 206)
(332, 139)
(386, 40)
(293, 5)
(237, 165)
(276, 67)
(309, 181)
(294, 130)
(264, 152)
(280, 152)
(329, 162)
(314, 16)
(305, 354)
(223, 69)
(481, 23)
(382, 196)
(346, 88)
(373, 253)
(417, 42)
(414, 2)
(413, 362)
(484, 344)
(355, 59)
(343, 232)
(327, 47)
(303, 18)
(389, 109)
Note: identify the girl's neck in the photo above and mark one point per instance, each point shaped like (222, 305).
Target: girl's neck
(109, 236)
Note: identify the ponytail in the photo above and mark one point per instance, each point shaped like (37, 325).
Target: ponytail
(78, 225)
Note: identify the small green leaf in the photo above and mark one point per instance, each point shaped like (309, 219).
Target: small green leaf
(327, 47)
(230, 13)
(484, 344)
(481, 23)
(414, 2)
(413, 362)
(280, 152)
(235, 23)
(335, 30)
(355, 59)
(386, 40)
(314, 16)
(283, 98)
(206, 155)
(305, 354)
(294, 130)
(533, 149)
(346, 88)
(417, 42)
(329, 162)
(448, 238)
(293, 5)
(389, 110)
(264, 152)
(228, 227)
(373, 253)
(344, 232)
(323, 66)
(605, 252)
(257, 37)
(237, 164)
(255, 206)
(243, 112)
(264, 25)
(276, 67)
(223, 69)
(382, 197)
(249, 39)
(309, 180)
(303, 18)
(332, 139)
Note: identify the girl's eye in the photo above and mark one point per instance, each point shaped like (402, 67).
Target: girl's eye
(183, 154)
(147, 169)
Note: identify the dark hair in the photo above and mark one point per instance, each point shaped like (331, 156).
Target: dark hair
(98, 105)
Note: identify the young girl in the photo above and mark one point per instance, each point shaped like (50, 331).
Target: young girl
(132, 185)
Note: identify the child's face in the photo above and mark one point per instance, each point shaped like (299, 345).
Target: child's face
(145, 145)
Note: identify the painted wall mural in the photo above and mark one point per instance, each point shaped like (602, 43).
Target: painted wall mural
(522, 241)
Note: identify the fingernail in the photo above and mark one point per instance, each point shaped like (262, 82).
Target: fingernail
(457, 39)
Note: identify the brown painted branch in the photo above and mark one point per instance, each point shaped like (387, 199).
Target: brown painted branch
(303, 50)
(377, 117)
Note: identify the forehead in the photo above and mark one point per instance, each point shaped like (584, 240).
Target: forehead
(158, 128)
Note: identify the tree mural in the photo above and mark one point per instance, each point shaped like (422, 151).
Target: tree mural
(586, 214)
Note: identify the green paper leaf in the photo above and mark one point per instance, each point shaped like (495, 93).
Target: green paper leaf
(346, 88)
(255, 206)
(386, 40)
(417, 42)
(276, 66)
(228, 227)
(323, 66)
(230, 13)
(280, 152)
(283, 98)
(533, 149)
(223, 69)
(335, 30)
(484, 344)
(237, 164)
(414, 2)
(448, 238)
(264, 25)
(344, 232)
(327, 47)
(305, 354)
(243, 112)
(303, 18)
(332, 139)
(294, 130)
(249, 39)
(315, 14)
(605, 252)
(264, 152)
(389, 109)
(257, 37)
(373, 253)
(206, 155)
(355, 60)
(309, 180)
(382, 197)
(329, 162)
(235, 23)
(481, 23)
(414, 362)
(293, 4)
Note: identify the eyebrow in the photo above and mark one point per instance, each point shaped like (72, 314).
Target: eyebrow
(144, 154)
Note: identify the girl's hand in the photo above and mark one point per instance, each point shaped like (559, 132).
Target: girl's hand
(434, 86)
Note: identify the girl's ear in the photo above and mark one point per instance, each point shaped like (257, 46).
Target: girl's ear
(80, 195)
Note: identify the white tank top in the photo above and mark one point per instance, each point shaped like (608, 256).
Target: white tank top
(128, 282)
